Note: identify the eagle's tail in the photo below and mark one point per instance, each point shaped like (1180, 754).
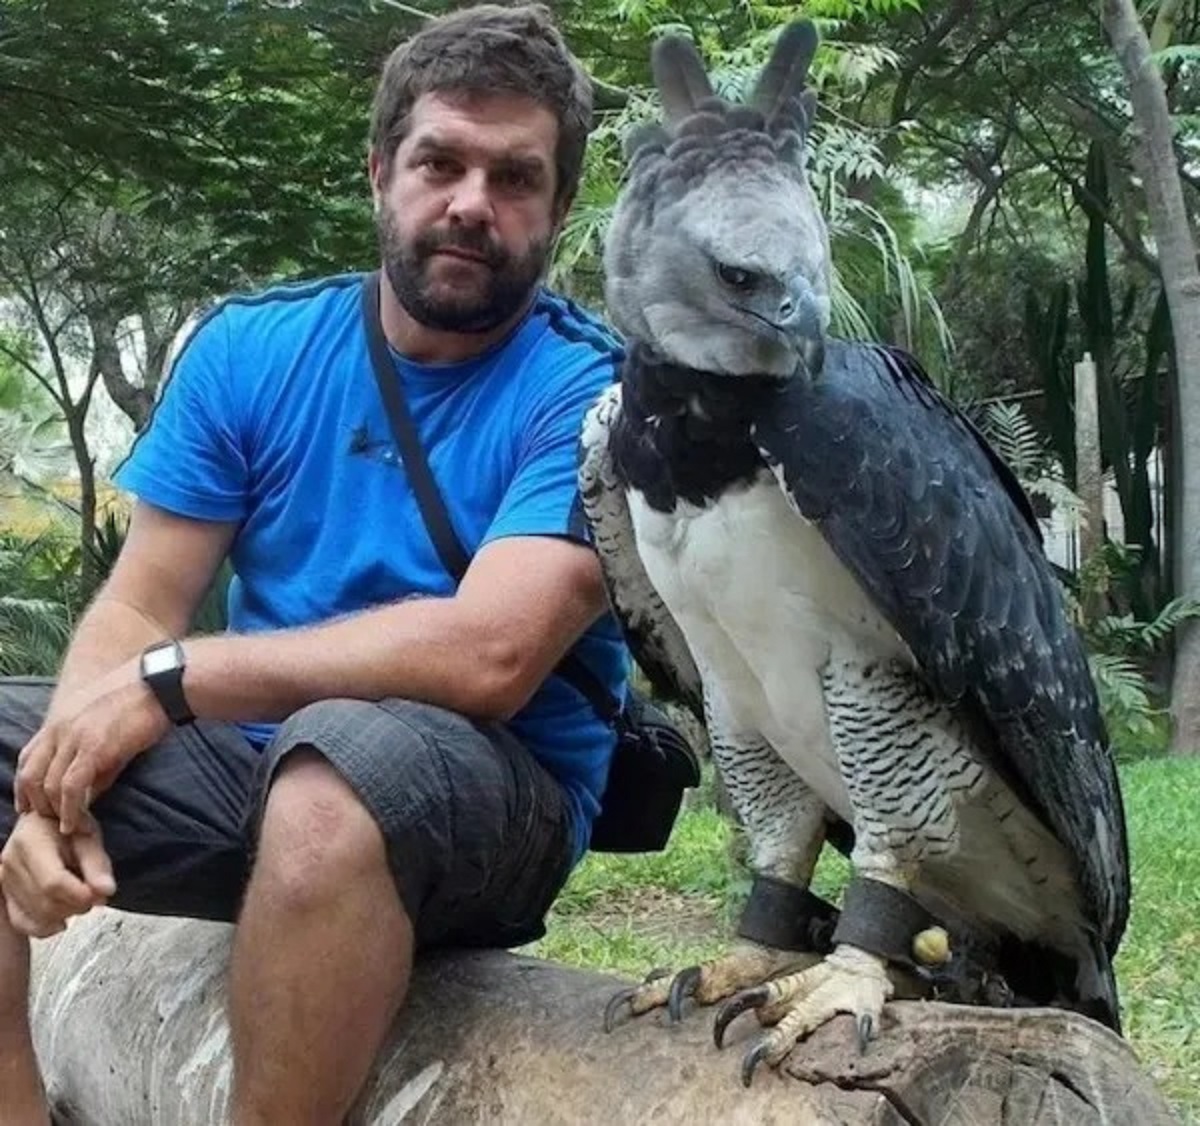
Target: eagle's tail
(1083, 980)
(1095, 984)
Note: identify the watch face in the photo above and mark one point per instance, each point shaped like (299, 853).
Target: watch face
(159, 660)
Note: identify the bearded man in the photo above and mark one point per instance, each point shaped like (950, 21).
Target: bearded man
(375, 758)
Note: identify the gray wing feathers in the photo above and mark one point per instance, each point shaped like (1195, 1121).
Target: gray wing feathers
(654, 637)
(910, 501)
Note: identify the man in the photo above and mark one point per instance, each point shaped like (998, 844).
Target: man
(429, 780)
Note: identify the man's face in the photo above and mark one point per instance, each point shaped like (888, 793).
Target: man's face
(467, 215)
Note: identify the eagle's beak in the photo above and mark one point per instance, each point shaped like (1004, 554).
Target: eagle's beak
(801, 316)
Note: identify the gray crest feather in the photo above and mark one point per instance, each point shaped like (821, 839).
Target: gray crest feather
(679, 75)
(780, 92)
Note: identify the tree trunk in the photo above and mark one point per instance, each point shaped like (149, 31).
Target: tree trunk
(134, 402)
(129, 1023)
(1089, 473)
(1181, 281)
(76, 420)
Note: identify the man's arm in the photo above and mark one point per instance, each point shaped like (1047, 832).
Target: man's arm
(165, 567)
(524, 601)
(484, 652)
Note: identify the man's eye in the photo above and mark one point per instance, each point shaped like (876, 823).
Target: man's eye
(735, 276)
(438, 165)
(516, 179)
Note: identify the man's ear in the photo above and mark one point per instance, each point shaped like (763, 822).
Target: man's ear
(562, 208)
(375, 175)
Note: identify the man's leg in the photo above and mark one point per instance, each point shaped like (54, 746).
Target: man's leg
(321, 955)
(173, 825)
(22, 1100)
(382, 822)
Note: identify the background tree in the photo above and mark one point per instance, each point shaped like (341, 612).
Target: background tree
(1158, 164)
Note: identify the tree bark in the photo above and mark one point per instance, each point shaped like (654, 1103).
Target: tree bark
(1181, 281)
(134, 402)
(129, 1023)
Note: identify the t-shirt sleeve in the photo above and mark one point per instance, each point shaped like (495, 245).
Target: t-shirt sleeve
(189, 459)
(543, 496)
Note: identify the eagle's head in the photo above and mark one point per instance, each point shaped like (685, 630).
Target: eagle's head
(717, 256)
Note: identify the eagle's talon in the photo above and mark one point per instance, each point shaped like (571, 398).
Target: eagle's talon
(866, 1029)
(750, 1061)
(683, 986)
(623, 997)
(734, 1007)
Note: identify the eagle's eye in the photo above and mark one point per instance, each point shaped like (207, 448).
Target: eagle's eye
(735, 277)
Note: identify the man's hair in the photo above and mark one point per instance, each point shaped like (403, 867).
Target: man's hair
(481, 50)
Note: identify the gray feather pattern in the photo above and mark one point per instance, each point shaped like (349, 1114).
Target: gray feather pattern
(907, 497)
(780, 89)
(654, 637)
(680, 76)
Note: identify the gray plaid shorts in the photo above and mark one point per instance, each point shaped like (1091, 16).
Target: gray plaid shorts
(478, 833)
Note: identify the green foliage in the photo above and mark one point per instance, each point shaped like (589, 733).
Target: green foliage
(1122, 647)
(1022, 446)
(35, 618)
(1158, 966)
(1126, 634)
(1126, 650)
(33, 636)
(1129, 341)
(1137, 727)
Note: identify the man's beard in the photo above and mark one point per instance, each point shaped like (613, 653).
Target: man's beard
(504, 285)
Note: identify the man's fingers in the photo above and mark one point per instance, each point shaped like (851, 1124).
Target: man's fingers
(75, 794)
(32, 764)
(93, 862)
(66, 753)
(24, 923)
(37, 873)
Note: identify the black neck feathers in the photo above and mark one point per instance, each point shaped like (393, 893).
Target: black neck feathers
(684, 434)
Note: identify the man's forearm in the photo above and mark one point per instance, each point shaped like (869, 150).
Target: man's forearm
(424, 649)
(109, 634)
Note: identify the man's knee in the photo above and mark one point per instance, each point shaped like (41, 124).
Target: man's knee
(317, 838)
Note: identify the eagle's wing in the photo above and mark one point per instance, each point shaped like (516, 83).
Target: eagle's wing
(653, 635)
(940, 535)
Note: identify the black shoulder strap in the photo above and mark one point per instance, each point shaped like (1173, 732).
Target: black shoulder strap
(449, 547)
(429, 499)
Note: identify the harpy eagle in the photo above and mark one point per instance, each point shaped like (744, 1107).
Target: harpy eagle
(811, 546)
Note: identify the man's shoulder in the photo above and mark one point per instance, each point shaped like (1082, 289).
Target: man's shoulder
(313, 300)
(575, 337)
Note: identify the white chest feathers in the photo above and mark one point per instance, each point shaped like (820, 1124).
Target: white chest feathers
(748, 565)
(765, 606)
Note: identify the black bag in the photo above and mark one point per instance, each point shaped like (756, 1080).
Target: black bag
(652, 763)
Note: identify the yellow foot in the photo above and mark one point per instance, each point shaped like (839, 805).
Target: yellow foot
(744, 966)
(848, 981)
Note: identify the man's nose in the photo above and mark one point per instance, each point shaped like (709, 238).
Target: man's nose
(471, 201)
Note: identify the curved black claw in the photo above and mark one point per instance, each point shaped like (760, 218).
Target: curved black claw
(614, 1006)
(683, 986)
(734, 1007)
(866, 1029)
(752, 1059)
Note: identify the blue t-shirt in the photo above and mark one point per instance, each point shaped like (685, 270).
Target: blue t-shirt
(271, 418)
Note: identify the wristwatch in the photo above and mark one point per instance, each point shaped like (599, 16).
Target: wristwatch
(162, 670)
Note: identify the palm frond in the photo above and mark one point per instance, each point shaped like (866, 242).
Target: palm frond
(1124, 634)
(33, 636)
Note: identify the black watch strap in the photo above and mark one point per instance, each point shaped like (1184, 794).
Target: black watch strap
(162, 667)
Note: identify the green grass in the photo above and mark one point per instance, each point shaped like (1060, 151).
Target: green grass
(1158, 965)
(628, 914)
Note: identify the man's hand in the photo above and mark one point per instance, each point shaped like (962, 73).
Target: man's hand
(84, 745)
(47, 877)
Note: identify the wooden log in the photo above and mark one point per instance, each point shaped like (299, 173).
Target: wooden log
(129, 1022)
